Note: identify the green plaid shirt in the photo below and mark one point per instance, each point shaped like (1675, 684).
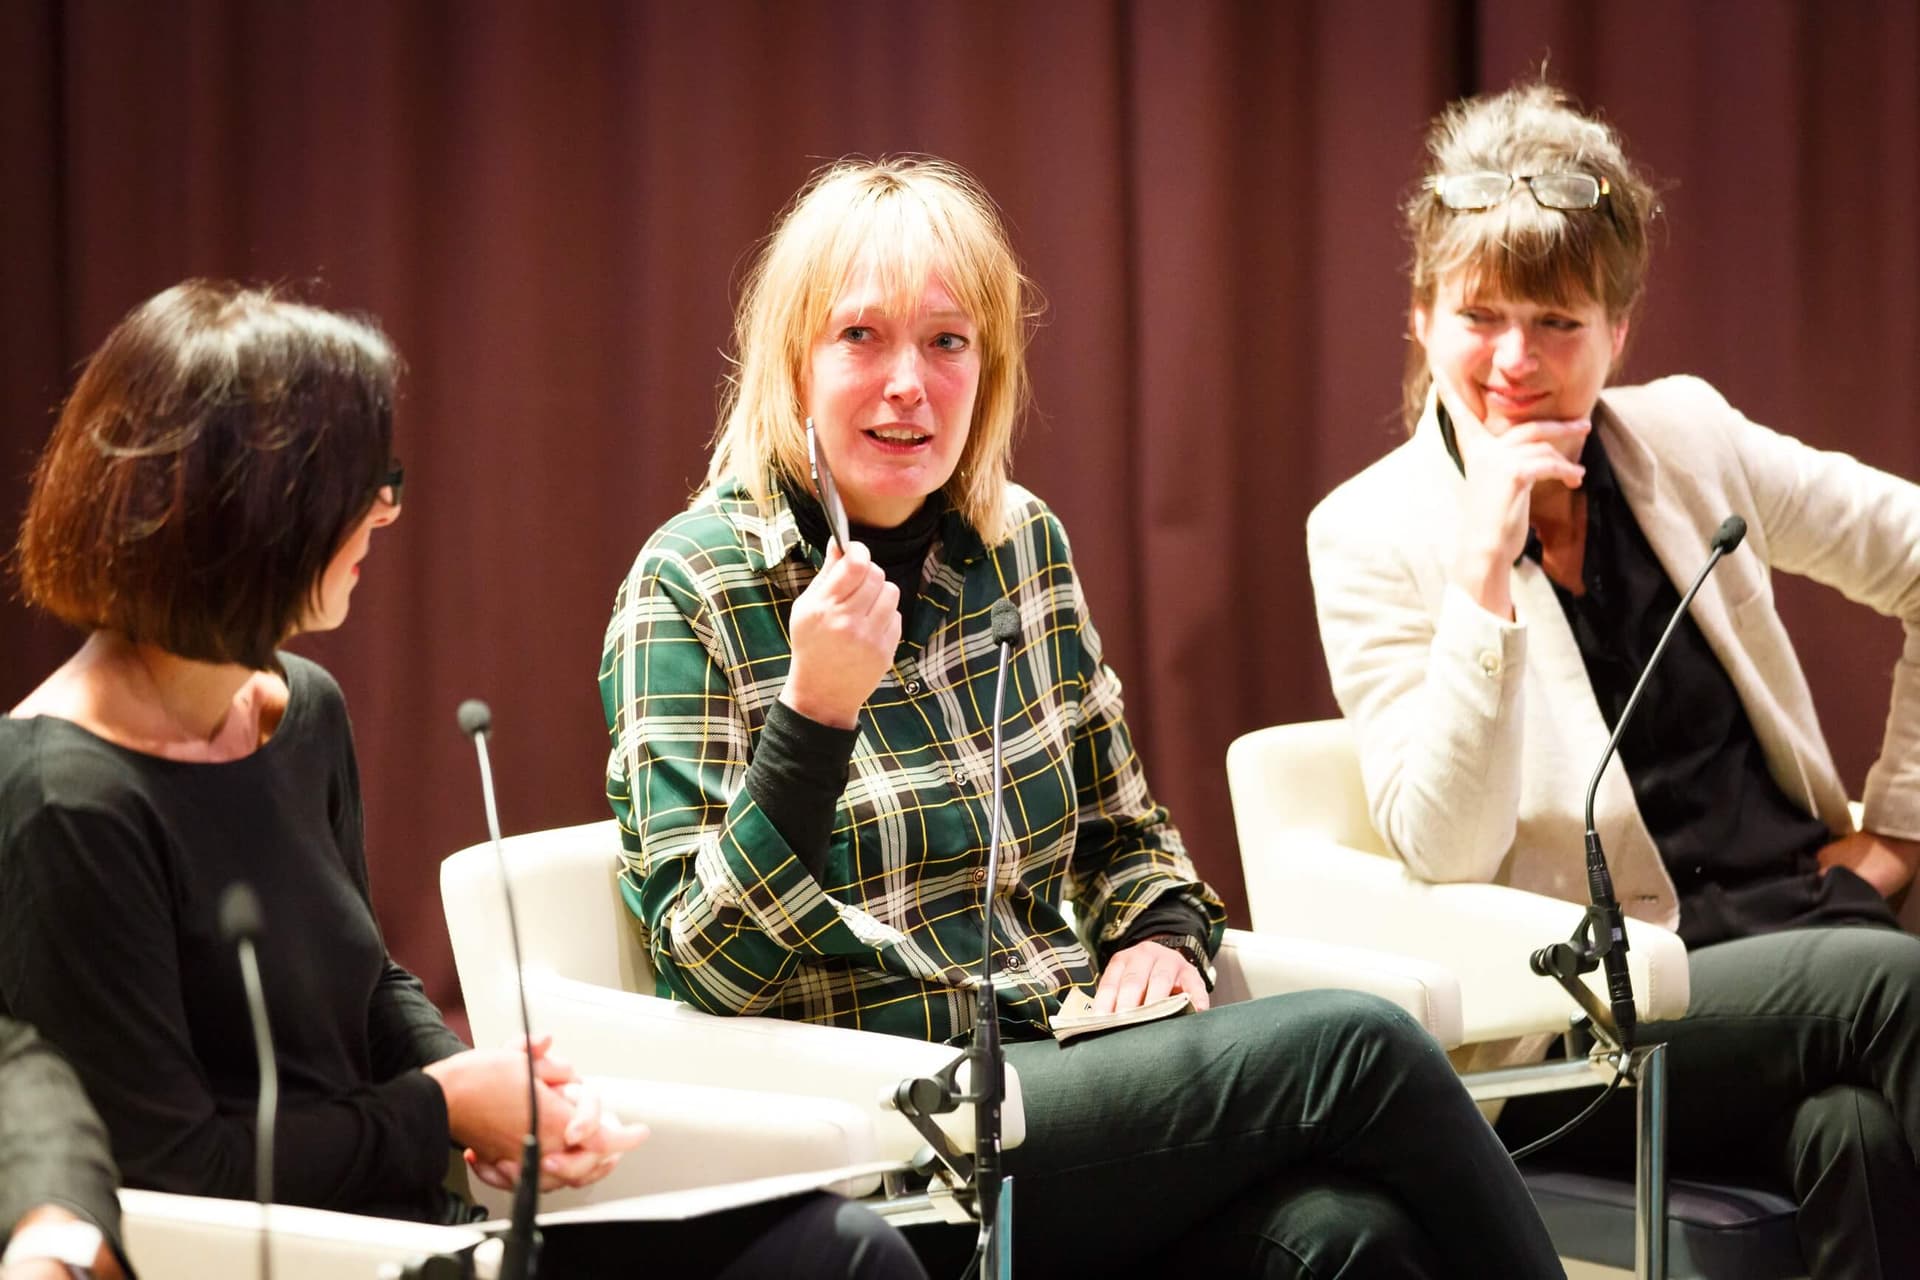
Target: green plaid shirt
(888, 937)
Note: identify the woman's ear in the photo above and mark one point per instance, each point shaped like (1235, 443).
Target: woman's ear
(1417, 320)
(1619, 337)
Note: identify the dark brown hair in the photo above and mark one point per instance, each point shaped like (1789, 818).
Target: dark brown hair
(1519, 248)
(217, 450)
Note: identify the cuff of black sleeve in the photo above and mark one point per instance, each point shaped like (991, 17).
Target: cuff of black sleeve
(1170, 913)
(798, 771)
(419, 1097)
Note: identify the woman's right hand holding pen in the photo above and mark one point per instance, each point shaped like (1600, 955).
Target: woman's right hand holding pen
(844, 629)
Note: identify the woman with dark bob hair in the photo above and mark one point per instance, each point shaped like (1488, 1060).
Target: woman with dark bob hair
(210, 491)
(802, 748)
(1488, 595)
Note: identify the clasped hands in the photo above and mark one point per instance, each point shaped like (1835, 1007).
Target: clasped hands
(486, 1092)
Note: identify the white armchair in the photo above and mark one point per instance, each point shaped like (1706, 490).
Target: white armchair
(171, 1237)
(1315, 868)
(590, 984)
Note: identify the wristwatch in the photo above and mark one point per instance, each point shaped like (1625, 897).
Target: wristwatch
(1191, 949)
(73, 1244)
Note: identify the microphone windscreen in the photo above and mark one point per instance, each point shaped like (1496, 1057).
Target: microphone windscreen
(1728, 535)
(1006, 621)
(240, 913)
(475, 717)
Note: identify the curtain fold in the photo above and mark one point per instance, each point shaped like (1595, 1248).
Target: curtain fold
(549, 209)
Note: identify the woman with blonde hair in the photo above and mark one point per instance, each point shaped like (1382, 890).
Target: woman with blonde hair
(801, 738)
(1490, 592)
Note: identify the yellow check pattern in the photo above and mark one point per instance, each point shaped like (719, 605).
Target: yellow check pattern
(888, 937)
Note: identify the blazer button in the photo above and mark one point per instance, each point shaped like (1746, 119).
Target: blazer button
(1490, 662)
(979, 875)
(912, 687)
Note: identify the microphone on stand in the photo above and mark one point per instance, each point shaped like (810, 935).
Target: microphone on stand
(990, 1063)
(240, 925)
(1563, 960)
(921, 1098)
(520, 1259)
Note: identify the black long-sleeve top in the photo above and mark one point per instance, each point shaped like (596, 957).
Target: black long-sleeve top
(112, 865)
(53, 1150)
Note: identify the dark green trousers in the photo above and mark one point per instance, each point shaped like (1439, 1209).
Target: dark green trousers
(1798, 1066)
(1316, 1135)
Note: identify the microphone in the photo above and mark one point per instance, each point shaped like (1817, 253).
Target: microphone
(990, 1066)
(520, 1259)
(1613, 942)
(240, 925)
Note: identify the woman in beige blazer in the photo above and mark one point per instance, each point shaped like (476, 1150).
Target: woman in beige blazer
(1488, 594)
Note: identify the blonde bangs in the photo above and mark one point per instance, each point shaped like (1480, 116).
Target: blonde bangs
(903, 223)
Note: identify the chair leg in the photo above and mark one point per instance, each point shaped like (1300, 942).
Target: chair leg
(1650, 1163)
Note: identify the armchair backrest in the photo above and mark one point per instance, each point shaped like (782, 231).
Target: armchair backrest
(572, 920)
(1300, 777)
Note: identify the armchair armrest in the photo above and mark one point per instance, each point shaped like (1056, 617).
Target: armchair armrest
(1251, 965)
(173, 1237)
(1305, 885)
(701, 1136)
(604, 1031)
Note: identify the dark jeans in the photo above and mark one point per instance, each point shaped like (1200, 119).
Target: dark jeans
(1314, 1135)
(1797, 1065)
(813, 1237)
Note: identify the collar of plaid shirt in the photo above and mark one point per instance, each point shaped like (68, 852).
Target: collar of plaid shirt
(887, 938)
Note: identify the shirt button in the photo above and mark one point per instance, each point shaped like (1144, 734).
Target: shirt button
(912, 687)
(1490, 662)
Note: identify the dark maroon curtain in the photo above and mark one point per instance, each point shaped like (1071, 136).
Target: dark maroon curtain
(548, 205)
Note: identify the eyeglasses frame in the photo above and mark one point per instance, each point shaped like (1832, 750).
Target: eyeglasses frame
(1437, 184)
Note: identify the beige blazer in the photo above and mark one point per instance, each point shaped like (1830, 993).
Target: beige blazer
(1477, 735)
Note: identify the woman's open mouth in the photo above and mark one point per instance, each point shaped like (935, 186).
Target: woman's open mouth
(897, 439)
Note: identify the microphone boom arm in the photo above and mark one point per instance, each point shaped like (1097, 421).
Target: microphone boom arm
(1601, 936)
(520, 1258)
